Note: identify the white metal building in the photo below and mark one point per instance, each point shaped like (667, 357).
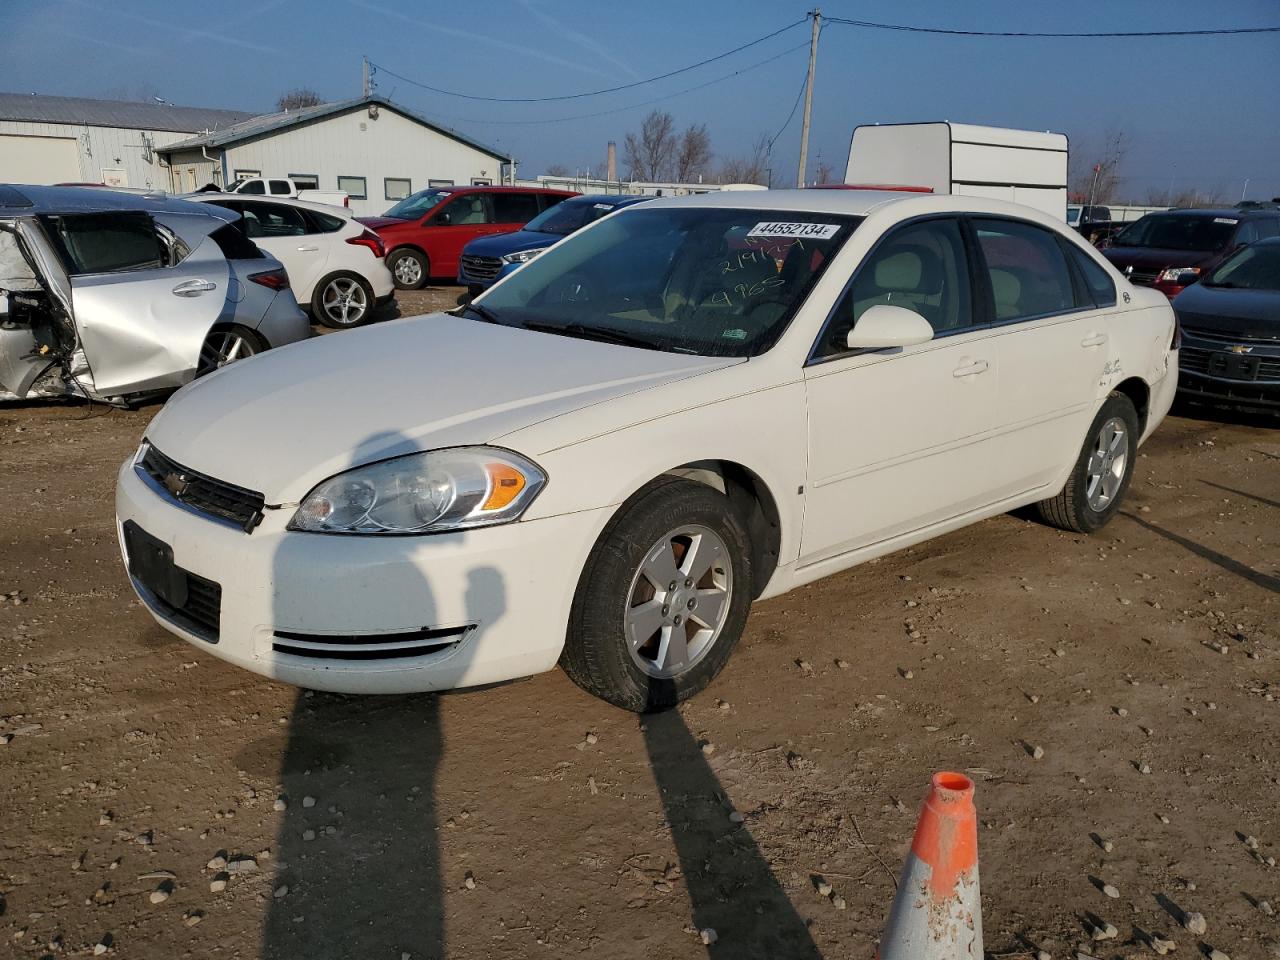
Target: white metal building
(377, 151)
(80, 140)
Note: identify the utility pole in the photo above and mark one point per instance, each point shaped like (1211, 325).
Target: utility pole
(1245, 190)
(808, 96)
(366, 77)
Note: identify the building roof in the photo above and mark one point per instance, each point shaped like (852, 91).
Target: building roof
(127, 114)
(272, 122)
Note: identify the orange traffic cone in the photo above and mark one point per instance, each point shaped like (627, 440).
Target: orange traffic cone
(937, 914)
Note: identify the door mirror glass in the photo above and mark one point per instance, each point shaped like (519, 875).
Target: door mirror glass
(884, 326)
(1187, 278)
(443, 219)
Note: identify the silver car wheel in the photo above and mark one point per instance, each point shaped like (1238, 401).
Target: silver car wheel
(408, 271)
(344, 300)
(678, 601)
(223, 347)
(1104, 473)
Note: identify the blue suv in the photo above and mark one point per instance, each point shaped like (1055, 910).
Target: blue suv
(487, 260)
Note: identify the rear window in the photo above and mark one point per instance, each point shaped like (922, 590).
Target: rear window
(233, 243)
(108, 242)
(324, 223)
(1167, 231)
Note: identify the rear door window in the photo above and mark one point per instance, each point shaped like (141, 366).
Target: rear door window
(234, 244)
(1097, 282)
(514, 207)
(108, 242)
(273, 220)
(1026, 268)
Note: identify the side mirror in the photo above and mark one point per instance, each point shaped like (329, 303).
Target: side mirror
(887, 326)
(443, 219)
(1187, 278)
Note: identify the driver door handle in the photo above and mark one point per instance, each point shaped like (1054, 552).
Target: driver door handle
(194, 288)
(970, 369)
(1094, 340)
(308, 249)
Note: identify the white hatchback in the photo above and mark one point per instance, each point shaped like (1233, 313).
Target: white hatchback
(335, 264)
(692, 404)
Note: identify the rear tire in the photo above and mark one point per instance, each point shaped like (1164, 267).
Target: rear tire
(225, 345)
(1101, 476)
(342, 300)
(643, 645)
(409, 268)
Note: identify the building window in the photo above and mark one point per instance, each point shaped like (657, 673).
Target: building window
(305, 181)
(482, 181)
(353, 187)
(396, 188)
(245, 174)
(439, 183)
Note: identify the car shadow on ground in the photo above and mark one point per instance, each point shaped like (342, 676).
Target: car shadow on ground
(1230, 564)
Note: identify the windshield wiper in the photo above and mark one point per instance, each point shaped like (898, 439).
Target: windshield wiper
(484, 313)
(605, 334)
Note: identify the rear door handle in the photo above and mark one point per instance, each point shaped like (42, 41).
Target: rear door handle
(193, 288)
(1094, 340)
(970, 369)
(308, 249)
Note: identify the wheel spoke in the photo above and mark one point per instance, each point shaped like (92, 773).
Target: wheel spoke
(233, 351)
(702, 553)
(673, 649)
(1117, 443)
(710, 606)
(660, 566)
(1094, 466)
(643, 621)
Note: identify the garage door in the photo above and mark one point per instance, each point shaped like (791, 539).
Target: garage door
(38, 159)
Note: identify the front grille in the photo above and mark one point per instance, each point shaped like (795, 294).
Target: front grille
(201, 614)
(1230, 339)
(203, 494)
(377, 646)
(1143, 277)
(1195, 359)
(481, 268)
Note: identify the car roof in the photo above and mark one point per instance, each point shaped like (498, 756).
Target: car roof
(499, 188)
(614, 199)
(848, 202)
(215, 198)
(28, 200)
(1233, 212)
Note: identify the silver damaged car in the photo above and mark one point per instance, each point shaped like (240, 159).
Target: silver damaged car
(113, 296)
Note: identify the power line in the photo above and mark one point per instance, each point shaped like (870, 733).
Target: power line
(633, 106)
(593, 93)
(868, 24)
(804, 82)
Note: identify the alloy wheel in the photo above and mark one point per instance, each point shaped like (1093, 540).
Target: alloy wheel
(1104, 473)
(678, 601)
(408, 270)
(344, 301)
(223, 347)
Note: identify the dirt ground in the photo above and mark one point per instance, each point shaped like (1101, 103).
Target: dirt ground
(529, 820)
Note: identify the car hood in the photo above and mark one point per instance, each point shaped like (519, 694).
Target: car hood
(1252, 314)
(1149, 259)
(281, 422)
(382, 223)
(505, 243)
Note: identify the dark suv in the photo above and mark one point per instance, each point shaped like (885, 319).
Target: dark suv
(425, 232)
(1171, 250)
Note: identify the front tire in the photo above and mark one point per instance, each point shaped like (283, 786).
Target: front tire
(409, 268)
(662, 600)
(1101, 476)
(342, 301)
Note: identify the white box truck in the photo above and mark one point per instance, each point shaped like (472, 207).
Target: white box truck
(1024, 166)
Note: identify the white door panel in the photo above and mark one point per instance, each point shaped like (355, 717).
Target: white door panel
(897, 442)
(304, 259)
(143, 329)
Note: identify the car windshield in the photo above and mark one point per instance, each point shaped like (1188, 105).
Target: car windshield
(416, 204)
(1253, 268)
(1073, 214)
(702, 280)
(569, 215)
(1178, 232)
(233, 185)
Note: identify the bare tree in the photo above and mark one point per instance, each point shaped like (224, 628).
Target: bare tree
(694, 154)
(822, 172)
(557, 170)
(1095, 176)
(752, 167)
(298, 98)
(649, 154)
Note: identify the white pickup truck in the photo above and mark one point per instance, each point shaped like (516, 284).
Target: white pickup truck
(283, 187)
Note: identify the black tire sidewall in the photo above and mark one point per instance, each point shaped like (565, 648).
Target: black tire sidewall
(397, 255)
(1117, 405)
(317, 301)
(596, 633)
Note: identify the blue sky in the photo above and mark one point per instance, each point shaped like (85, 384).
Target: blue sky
(1196, 111)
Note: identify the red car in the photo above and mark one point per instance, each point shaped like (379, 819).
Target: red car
(425, 232)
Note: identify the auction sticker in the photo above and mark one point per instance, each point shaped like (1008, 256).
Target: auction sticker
(1225, 220)
(807, 231)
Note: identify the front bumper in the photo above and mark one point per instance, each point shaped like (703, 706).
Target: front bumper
(374, 614)
(1230, 372)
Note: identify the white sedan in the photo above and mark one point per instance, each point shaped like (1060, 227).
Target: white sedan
(335, 264)
(692, 404)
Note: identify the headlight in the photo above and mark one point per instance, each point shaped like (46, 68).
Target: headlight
(1171, 274)
(431, 492)
(522, 256)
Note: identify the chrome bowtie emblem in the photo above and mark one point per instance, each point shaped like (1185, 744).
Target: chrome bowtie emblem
(1128, 271)
(176, 483)
(1240, 348)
